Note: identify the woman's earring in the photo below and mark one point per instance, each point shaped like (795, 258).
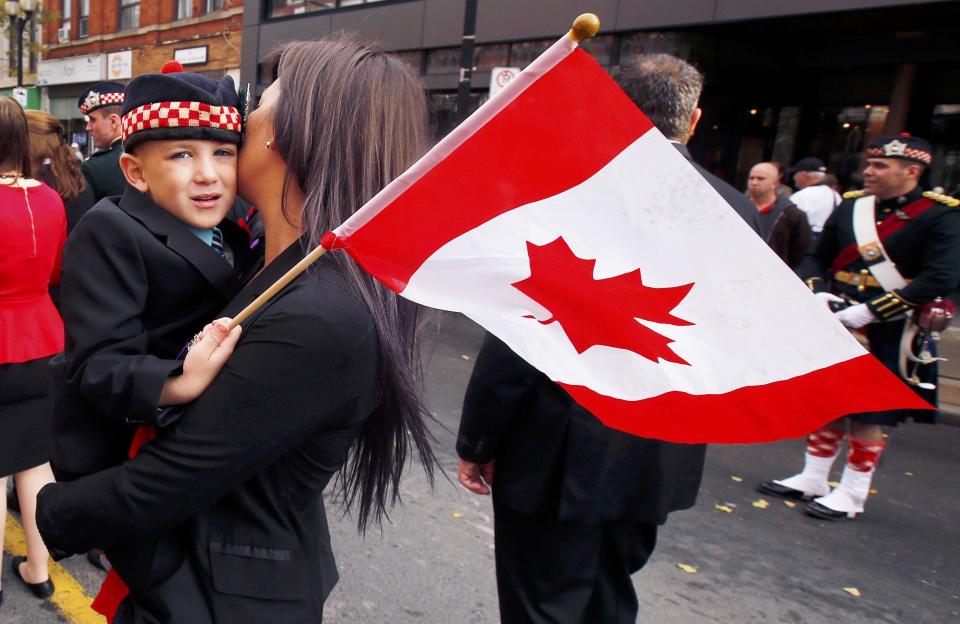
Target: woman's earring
(268, 144)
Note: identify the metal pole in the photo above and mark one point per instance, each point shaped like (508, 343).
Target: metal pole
(466, 59)
(21, 22)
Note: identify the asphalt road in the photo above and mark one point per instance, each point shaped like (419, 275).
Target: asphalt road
(433, 562)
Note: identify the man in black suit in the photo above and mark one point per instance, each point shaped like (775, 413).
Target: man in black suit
(577, 505)
(667, 89)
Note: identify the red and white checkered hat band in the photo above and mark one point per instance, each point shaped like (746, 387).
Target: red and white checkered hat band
(95, 100)
(180, 115)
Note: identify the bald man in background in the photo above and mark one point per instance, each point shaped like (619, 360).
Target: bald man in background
(782, 225)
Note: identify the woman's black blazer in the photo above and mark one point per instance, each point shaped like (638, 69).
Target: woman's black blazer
(221, 518)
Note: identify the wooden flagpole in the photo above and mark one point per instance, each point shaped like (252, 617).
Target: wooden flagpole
(278, 285)
(585, 26)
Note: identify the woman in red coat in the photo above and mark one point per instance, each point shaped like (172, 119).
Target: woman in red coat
(33, 229)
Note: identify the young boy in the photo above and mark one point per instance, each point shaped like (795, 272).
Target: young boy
(144, 272)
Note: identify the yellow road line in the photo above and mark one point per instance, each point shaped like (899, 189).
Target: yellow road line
(69, 598)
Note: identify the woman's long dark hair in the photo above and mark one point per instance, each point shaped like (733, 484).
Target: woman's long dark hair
(47, 142)
(349, 120)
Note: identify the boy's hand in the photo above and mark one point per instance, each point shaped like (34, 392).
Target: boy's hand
(203, 363)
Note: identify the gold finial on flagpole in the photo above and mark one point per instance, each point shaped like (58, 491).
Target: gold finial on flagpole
(586, 26)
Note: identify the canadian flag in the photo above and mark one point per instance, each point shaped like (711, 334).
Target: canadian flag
(562, 221)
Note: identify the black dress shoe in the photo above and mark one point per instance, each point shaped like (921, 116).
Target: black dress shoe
(776, 489)
(43, 589)
(823, 512)
(98, 559)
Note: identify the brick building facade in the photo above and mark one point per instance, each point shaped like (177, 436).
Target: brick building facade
(118, 39)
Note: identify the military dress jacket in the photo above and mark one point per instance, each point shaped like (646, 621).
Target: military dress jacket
(103, 173)
(554, 457)
(926, 251)
(136, 286)
(221, 518)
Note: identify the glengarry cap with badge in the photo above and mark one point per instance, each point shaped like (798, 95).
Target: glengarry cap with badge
(100, 95)
(180, 105)
(902, 147)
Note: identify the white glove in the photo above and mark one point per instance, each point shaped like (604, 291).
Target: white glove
(827, 298)
(856, 316)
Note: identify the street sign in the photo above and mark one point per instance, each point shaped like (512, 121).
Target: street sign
(500, 76)
(20, 95)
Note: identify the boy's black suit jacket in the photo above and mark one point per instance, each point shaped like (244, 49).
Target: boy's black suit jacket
(221, 518)
(136, 286)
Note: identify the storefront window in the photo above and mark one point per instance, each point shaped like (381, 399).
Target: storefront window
(129, 14)
(83, 24)
(675, 44)
(413, 58)
(945, 137)
(524, 52)
(184, 9)
(486, 57)
(281, 8)
(443, 61)
(600, 48)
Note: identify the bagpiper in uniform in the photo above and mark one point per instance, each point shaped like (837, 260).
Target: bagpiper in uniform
(888, 258)
(102, 169)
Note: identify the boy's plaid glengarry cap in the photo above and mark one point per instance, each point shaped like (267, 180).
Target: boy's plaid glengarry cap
(180, 105)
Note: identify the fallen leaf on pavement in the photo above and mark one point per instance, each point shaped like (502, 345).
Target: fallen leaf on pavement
(723, 508)
(853, 591)
(874, 491)
(833, 483)
(790, 504)
(457, 515)
(761, 504)
(736, 478)
(466, 357)
(689, 569)
(909, 474)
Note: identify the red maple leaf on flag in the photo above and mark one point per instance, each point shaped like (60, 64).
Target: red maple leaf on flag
(601, 311)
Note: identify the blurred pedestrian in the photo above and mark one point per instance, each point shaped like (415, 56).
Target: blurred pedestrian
(889, 252)
(783, 189)
(816, 199)
(57, 166)
(814, 195)
(101, 106)
(667, 89)
(782, 224)
(32, 234)
(832, 181)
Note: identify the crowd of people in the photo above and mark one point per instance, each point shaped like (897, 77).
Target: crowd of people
(190, 456)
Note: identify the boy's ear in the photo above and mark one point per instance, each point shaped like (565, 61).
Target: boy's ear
(133, 171)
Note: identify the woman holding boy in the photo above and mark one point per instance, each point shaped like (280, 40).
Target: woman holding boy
(223, 513)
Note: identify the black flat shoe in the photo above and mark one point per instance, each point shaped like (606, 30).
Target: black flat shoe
(44, 589)
(776, 489)
(823, 512)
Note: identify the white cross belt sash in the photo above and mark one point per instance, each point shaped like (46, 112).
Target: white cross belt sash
(871, 248)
